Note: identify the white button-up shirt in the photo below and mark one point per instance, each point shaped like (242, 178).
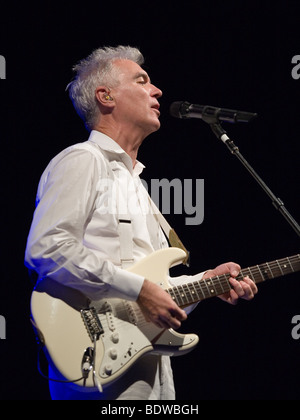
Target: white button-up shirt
(74, 237)
(75, 240)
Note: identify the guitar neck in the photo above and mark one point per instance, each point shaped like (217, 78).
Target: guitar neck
(196, 291)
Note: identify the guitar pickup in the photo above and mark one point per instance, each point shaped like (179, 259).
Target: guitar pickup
(92, 323)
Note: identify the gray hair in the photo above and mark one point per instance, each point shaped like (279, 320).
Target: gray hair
(95, 70)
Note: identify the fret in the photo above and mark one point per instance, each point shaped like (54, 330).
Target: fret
(210, 287)
(196, 297)
(270, 270)
(175, 295)
(297, 262)
(172, 294)
(204, 288)
(181, 296)
(220, 283)
(285, 265)
(261, 274)
(227, 285)
(254, 273)
(242, 274)
(189, 294)
(265, 271)
(290, 263)
(250, 272)
(197, 294)
(198, 287)
(279, 267)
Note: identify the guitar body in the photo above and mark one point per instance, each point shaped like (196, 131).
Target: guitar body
(104, 338)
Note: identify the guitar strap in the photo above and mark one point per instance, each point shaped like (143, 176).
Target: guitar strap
(124, 220)
(169, 232)
(126, 241)
(126, 234)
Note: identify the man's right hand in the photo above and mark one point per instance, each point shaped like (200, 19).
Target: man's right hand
(158, 306)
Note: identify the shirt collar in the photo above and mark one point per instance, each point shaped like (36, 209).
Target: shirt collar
(108, 144)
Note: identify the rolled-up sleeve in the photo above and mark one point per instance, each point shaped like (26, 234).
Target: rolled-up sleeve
(55, 248)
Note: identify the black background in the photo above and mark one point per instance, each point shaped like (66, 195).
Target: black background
(232, 54)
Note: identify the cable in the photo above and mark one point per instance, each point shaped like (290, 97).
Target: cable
(52, 379)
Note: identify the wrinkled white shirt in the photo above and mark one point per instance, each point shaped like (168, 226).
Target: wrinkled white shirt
(74, 233)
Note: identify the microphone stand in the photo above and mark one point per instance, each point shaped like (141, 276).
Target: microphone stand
(277, 202)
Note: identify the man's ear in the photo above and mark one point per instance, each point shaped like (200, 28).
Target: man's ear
(103, 96)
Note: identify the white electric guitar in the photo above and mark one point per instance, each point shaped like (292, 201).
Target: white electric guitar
(94, 343)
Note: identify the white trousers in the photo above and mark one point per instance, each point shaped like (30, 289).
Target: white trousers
(150, 378)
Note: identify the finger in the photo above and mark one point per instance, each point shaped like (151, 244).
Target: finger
(251, 284)
(167, 321)
(178, 313)
(159, 321)
(233, 297)
(230, 297)
(174, 317)
(237, 287)
(234, 269)
(249, 287)
(248, 293)
(170, 322)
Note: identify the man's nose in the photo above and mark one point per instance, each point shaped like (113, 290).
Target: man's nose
(157, 93)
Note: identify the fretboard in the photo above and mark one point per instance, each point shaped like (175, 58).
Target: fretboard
(203, 289)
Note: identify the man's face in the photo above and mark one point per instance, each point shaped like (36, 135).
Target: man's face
(136, 99)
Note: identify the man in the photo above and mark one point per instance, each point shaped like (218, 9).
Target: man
(77, 237)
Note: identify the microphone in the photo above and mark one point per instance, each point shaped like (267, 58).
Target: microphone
(209, 114)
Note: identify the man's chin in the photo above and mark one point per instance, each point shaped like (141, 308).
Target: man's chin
(157, 126)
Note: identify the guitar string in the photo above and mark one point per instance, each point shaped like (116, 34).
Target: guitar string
(206, 288)
(262, 271)
(203, 289)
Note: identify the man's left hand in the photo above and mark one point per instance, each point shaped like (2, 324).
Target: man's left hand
(244, 289)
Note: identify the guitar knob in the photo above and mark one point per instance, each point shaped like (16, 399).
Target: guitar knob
(115, 338)
(108, 369)
(113, 354)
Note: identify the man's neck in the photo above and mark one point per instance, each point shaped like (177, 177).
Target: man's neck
(126, 140)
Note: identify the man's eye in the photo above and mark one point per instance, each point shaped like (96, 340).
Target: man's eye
(142, 81)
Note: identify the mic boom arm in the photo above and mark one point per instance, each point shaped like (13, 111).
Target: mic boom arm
(212, 116)
(277, 202)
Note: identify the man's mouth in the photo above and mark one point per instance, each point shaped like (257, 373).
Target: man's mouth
(156, 107)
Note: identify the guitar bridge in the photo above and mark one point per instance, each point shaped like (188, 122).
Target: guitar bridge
(92, 323)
